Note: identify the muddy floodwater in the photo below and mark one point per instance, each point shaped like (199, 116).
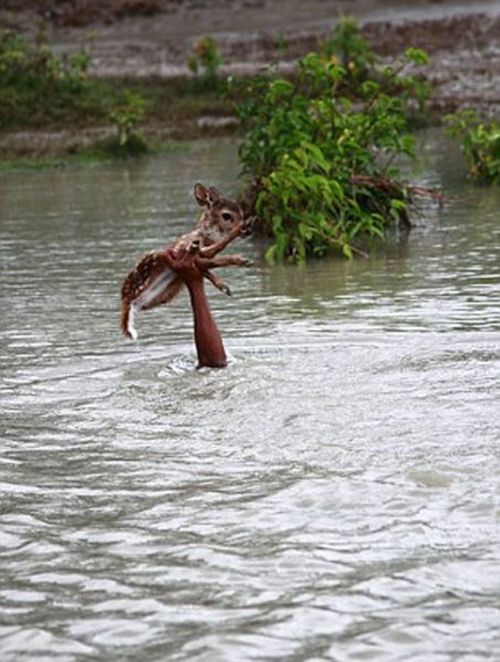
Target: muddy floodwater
(331, 495)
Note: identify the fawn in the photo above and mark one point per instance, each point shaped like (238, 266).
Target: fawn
(155, 279)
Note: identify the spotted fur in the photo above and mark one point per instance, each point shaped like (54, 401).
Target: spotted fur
(152, 282)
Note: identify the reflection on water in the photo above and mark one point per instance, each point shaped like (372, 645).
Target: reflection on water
(330, 495)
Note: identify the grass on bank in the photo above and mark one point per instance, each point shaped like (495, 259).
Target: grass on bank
(171, 113)
(40, 91)
(173, 101)
(96, 153)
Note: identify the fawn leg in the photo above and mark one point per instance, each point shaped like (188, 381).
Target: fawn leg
(216, 281)
(213, 249)
(206, 264)
(224, 261)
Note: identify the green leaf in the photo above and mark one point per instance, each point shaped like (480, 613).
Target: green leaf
(346, 250)
(281, 88)
(417, 56)
(319, 157)
(270, 254)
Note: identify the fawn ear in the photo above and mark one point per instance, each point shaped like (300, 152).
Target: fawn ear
(214, 194)
(201, 194)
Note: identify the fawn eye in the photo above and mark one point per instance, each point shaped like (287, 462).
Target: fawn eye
(227, 216)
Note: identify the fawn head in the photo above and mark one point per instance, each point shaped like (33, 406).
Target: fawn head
(219, 215)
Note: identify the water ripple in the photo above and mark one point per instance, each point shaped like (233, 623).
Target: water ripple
(332, 494)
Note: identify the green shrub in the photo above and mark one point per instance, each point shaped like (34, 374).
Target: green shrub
(204, 63)
(111, 147)
(349, 48)
(480, 142)
(34, 66)
(320, 152)
(126, 117)
(36, 86)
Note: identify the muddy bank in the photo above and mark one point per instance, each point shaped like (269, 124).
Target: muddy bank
(68, 143)
(465, 57)
(463, 40)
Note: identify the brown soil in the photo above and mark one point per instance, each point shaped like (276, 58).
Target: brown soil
(462, 38)
(75, 13)
(156, 37)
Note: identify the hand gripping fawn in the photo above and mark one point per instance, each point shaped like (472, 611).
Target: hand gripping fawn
(159, 276)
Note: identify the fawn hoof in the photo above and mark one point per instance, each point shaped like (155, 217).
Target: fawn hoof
(227, 291)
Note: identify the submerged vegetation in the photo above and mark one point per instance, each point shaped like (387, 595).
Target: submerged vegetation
(126, 118)
(204, 63)
(480, 142)
(320, 150)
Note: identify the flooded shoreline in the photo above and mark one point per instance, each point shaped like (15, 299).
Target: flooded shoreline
(462, 39)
